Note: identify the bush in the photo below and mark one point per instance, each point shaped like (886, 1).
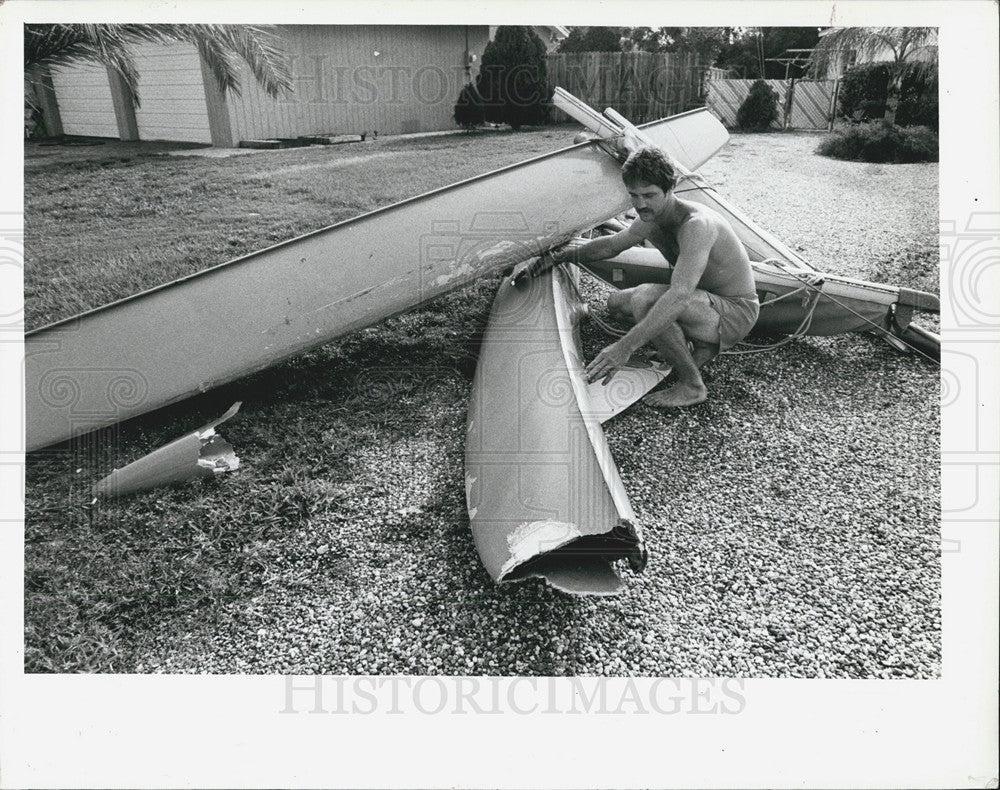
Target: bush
(880, 142)
(760, 108)
(513, 79)
(864, 89)
(469, 110)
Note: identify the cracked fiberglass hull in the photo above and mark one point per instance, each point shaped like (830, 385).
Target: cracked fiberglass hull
(543, 493)
(195, 333)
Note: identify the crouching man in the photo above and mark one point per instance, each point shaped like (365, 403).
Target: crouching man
(711, 302)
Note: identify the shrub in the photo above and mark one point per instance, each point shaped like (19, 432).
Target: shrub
(880, 142)
(469, 110)
(759, 109)
(513, 80)
(864, 89)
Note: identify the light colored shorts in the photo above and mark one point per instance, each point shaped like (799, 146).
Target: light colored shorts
(737, 315)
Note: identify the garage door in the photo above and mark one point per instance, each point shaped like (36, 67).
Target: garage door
(83, 93)
(172, 94)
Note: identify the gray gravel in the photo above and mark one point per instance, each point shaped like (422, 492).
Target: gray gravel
(792, 519)
(869, 221)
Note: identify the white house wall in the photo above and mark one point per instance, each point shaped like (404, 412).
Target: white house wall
(361, 79)
(84, 97)
(172, 94)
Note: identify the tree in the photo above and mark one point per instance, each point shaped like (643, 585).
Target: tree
(593, 39)
(705, 42)
(469, 111)
(513, 79)
(760, 108)
(863, 87)
(902, 44)
(222, 46)
(750, 50)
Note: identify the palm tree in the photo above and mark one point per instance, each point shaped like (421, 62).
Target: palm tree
(222, 46)
(874, 43)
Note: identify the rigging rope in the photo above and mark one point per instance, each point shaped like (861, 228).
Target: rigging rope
(818, 291)
(811, 281)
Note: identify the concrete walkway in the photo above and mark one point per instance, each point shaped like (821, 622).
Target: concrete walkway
(223, 153)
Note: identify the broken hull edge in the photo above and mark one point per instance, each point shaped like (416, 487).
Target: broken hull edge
(543, 494)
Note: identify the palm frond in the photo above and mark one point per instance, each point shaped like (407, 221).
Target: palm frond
(261, 49)
(115, 48)
(56, 46)
(871, 42)
(222, 62)
(223, 47)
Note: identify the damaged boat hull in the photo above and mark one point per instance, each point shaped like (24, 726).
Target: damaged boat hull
(210, 328)
(543, 493)
(825, 304)
(799, 301)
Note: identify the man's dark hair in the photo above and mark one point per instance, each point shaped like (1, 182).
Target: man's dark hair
(649, 166)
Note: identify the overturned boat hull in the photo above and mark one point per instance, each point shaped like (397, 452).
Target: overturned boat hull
(210, 328)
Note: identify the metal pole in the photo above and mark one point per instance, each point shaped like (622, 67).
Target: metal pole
(833, 103)
(468, 60)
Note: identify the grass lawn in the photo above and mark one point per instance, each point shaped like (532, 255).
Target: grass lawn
(792, 519)
(109, 221)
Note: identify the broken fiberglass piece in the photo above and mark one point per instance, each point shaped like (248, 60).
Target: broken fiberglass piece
(201, 453)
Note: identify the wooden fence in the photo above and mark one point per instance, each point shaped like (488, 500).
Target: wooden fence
(645, 86)
(642, 86)
(814, 105)
(802, 104)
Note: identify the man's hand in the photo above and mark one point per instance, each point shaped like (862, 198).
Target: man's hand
(607, 362)
(537, 266)
(562, 254)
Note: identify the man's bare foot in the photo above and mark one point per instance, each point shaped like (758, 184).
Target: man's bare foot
(681, 394)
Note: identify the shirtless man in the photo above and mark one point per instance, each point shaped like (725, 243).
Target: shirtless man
(711, 301)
